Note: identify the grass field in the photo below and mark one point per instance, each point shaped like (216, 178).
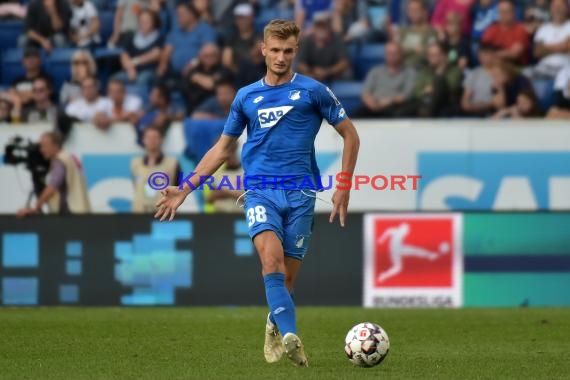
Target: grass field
(226, 343)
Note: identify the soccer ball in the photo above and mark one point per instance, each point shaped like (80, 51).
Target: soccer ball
(367, 344)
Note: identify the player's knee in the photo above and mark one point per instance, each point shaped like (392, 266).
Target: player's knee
(273, 264)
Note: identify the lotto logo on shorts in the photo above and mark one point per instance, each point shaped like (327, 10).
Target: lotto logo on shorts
(413, 260)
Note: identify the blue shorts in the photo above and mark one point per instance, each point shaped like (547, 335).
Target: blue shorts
(288, 213)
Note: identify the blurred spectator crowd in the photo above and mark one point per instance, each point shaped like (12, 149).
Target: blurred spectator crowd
(150, 62)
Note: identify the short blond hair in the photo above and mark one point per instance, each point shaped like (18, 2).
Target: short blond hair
(282, 29)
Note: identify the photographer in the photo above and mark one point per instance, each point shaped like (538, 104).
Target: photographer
(66, 189)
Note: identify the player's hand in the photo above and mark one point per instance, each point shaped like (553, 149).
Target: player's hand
(171, 198)
(340, 206)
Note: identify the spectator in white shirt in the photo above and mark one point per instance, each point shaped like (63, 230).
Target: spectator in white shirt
(85, 24)
(552, 42)
(89, 104)
(121, 107)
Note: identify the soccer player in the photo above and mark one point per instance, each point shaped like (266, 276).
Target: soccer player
(283, 113)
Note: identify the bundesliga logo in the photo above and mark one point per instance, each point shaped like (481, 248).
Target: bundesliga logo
(413, 260)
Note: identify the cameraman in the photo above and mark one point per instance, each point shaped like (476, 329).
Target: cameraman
(66, 189)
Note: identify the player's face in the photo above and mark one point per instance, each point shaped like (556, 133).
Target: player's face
(279, 54)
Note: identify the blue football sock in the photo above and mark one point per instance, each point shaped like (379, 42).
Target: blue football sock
(280, 303)
(272, 318)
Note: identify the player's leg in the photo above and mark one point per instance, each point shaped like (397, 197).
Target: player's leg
(298, 228)
(292, 267)
(270, 251)
(266, 230)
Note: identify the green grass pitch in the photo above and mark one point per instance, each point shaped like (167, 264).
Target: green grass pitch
(227, 343)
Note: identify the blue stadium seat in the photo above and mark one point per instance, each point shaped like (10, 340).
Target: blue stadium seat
(200, 136)
(348, 92)
(368, 56)
(59, 66)
(544, 89)
(10, 31)
(11, 65)
(106, 17)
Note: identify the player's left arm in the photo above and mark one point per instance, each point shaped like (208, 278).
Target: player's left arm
(351, 140)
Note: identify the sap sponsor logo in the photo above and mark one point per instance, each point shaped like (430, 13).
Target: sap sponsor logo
(258, 99)
(494, 181)
(268, 117)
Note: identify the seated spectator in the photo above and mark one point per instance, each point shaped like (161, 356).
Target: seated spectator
(6, 111)
(89, 104)
(121, 107)
(85, 24)
(47, 24)
(535, 14)
(552, 43)
(444, 8)
(306, 9)
(419, 34)
(200, 82)
(438, 85)
(41, 109)
(160, 113)
(322, 54)
(217, 107)
(12, 10)
(508, 83)
(455, 43)
(204, 8)
(185, 42)
(561, 108)
(20, 93)
(140, 57)
(125, 23)
(526, 106)
(508, 36)
(154, 160)
(252, 67)
(82, 66)
(346, 17)
(477, 98)
(241, 39)
(484, 15)
(388, 88)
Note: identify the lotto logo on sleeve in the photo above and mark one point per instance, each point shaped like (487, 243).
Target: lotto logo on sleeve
(413, 260)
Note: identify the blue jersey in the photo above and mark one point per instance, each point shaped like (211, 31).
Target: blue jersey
(282, 124)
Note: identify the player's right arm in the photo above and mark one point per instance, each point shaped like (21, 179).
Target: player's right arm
(173, 196)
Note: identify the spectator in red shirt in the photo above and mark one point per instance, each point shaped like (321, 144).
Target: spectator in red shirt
(508, 36)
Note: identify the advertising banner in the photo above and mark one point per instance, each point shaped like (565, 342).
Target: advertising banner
(424, 165)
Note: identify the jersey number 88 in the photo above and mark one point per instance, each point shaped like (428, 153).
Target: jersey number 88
(256, 214)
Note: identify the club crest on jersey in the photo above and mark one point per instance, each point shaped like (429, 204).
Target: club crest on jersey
(268, 117)
(294, 94)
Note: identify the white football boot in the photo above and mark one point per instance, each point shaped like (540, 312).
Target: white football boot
(273, 347)
(295, 350)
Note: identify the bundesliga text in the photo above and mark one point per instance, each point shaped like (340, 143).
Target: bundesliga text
(341, 181)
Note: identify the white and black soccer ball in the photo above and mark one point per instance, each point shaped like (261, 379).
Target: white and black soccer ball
(367, 344)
